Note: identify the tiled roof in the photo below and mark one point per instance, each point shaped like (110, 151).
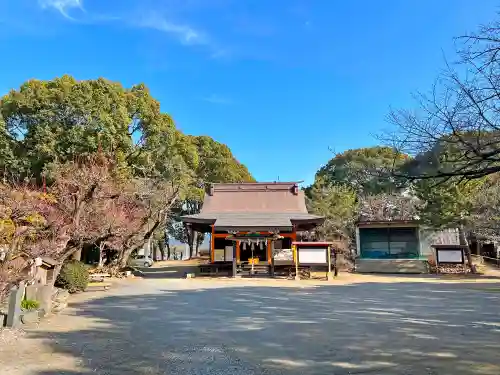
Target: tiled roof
(255, 197)
(254, 206)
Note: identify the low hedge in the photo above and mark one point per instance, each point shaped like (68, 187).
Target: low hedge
(74, 277)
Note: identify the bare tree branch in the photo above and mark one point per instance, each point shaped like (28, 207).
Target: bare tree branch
(455, 132)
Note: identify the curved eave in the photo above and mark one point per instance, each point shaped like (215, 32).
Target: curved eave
(253, 228)
(198, 224)
(204, 224)
(361, 223)
(312, 244)
(307, 224)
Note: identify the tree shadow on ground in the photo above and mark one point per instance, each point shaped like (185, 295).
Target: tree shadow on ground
(392, 328)
(166, 272)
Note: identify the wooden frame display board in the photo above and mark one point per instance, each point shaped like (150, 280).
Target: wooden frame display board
(312, 254)
(449, 255)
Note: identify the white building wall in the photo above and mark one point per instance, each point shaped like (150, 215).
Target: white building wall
(429, 237)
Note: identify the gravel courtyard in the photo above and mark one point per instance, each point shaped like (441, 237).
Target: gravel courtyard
(155, 326)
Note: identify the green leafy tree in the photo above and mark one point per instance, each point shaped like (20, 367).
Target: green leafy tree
(485, 212)
(450, 204)
(338, 204)
(52, 123)
(447, 204)
(60, 119)
(217, 163)
(214, 163)
(166, 153)
(63, 118)
(365, 170)
(8, 159)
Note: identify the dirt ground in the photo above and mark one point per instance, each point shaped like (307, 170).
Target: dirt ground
(354, 325)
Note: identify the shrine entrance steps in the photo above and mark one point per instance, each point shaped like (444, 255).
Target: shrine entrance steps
(260, 270)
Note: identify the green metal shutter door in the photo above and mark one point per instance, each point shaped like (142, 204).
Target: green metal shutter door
(374, 243)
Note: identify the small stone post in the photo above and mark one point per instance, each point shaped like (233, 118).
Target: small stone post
(31, 292)
(44, 296)
(14, 312)
(329, 275)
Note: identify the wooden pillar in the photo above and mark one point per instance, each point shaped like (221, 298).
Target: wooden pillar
(435, 251)
(335, 267)
(212, 244)
(329, 275)
(296, 260)
(194, 240)
(234, 271)
(271, 264)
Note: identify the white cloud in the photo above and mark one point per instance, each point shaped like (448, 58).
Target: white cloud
(219, 54)
(63, 6)
(184, 33)
(217, 99)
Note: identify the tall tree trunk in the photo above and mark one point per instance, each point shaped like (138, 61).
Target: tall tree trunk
(66, 255)
(161, 247)
(125, 254)
(159, 217)
(154, 248)
(464, 242)
(101, 254)
(197, 252)
(123, 258)
(77, 255)
(189, 237)
(192, 243)
(169, 254)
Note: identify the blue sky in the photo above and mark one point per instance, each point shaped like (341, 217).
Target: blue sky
(282, 82)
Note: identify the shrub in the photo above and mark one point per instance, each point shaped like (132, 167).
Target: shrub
(74, 277)
(29, 304)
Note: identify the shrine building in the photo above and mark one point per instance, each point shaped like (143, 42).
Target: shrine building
(254, 223)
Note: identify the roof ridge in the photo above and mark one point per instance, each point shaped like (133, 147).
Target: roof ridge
(257, 183)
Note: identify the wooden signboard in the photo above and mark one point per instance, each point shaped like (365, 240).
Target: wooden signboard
(312, 254)
(283, 255)
(219, 255)
(450, 258)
